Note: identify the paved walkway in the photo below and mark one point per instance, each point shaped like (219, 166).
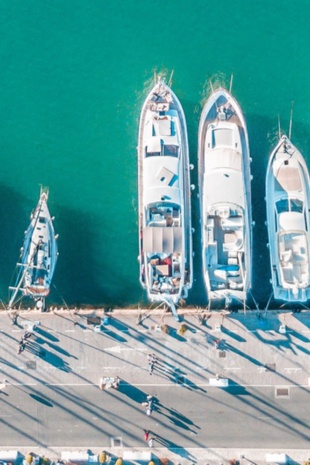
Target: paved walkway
(271, 351)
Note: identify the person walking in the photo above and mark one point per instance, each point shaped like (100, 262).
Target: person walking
(152, 359)
(217, 343)
(27, 335)
(151, 442)
(21, 346)
(151, 367)
(115, 383)
(146, 435)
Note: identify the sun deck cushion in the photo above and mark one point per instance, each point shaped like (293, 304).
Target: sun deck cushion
(162, 240)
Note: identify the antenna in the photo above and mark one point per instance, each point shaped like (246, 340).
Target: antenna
(291, 121)
(279, 127)
(231, 83)
(170, 79)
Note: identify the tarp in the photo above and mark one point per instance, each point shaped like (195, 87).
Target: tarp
(130, 455)
(276, 458)
(8, 455)
(162, 240)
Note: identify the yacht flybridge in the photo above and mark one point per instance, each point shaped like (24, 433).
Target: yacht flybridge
(164, 198)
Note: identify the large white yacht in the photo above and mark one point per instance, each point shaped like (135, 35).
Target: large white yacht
(225, 198)
(38, 256)
(288, 221)
(165, 245)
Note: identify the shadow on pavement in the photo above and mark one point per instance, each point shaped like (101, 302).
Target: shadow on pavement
(46, 334)
(42, 400)
(175, 448)
(132, 392)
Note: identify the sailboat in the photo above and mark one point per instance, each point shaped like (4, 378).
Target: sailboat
(288, 222)
(225, 199)
(38, 256)
(165, 245)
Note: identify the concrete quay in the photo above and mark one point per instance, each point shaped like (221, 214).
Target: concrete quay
(69, 349)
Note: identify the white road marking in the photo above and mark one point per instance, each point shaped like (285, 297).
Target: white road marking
(187, 382)
(119, 349)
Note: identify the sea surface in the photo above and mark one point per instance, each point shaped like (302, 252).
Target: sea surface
(73, 77)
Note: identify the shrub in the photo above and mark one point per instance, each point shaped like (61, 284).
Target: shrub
(45, 460)
(102, 457)
(164, 461)
(182, 329)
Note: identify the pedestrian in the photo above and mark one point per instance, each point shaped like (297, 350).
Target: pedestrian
(151, 367)
(146, 435)
(102, 383)
(152, 358)
(14, 319)
(27, 335)
(151, 442)
(115, 383)
(217, 343)
(21, 346)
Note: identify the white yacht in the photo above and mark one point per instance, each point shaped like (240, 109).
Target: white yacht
(225, 198)
(288, 222)
(165, 246)
(38, 256)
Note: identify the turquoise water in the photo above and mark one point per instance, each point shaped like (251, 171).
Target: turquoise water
(73, 78)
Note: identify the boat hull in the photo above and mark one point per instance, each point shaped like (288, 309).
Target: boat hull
(38, 254)
(165, 241)
(287, 205)
(225, 198)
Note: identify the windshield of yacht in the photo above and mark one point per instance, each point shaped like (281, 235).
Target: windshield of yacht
(289, 205)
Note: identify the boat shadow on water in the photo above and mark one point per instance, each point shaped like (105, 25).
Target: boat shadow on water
(77, 277)
(13, 205)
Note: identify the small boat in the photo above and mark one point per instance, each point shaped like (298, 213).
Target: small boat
(165, 246)
(288, 222)
(38, 256)
(225, 198)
